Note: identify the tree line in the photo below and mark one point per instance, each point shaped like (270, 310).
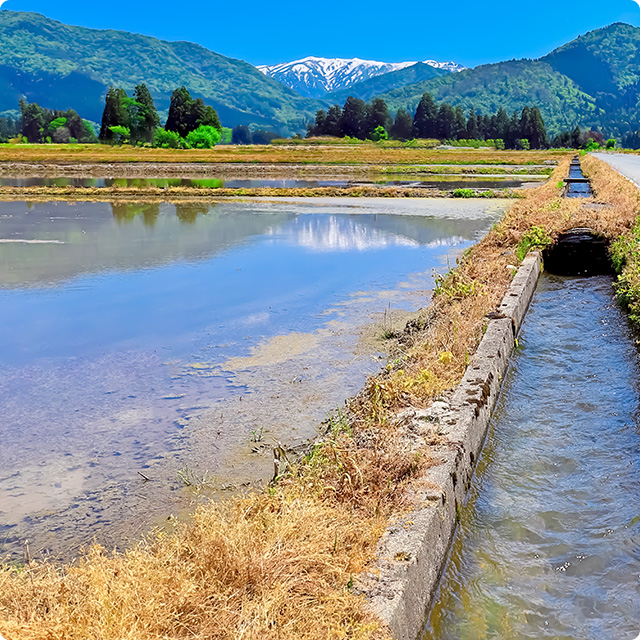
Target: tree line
(190, 122)
(38, 125)
(443, 121)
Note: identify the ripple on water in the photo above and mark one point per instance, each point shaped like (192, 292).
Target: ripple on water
(549, 546)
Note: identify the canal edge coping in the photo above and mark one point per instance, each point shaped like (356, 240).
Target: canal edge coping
(413, 551)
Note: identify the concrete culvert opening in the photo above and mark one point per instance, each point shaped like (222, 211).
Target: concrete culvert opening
(578, 252)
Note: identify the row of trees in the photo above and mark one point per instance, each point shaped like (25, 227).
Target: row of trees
(39, 125)
(190, 123)
(357, 119)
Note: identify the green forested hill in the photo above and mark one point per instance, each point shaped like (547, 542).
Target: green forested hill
(511, 85)
(61, 66)
(606, 64)
(592, 81)
(367, 89)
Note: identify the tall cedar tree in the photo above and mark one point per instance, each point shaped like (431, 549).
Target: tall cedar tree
(332, 121)
(459, 123)
(180, 112)
(353, 119)
(445, 120)
(115, 113)
(426, 117)
(186, 114)
(473, 132)
(147, 115)
(402, 128)
(377, 116)
(33, 122)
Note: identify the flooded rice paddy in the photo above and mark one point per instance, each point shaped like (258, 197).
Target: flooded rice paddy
(442, 182)
(145, 348)
(549, 543)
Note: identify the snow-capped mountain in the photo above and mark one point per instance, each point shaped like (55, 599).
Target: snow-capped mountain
(313, 77)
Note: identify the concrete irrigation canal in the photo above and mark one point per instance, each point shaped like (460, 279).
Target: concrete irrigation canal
(546, 535)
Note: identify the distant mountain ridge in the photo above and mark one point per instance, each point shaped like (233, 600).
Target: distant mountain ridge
(592, 81)
(368, 89)
(314, 77)
(61, 66)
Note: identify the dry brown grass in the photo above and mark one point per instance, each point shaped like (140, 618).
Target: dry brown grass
(270, 154)
(620, 222)
(279, 564)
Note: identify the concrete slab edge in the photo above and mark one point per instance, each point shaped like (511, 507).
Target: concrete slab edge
(413, 551)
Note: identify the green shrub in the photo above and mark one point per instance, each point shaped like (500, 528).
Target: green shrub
(204, 137)
(167, 139)
(463, 193)
(535, 238)
(379, 133)
(592, 145)
(121, 134)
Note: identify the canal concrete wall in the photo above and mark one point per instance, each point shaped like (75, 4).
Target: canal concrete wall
(413, 551)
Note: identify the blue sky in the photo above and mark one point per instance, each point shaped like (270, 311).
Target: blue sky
(259, 31)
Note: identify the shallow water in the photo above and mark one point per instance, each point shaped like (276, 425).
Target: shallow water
(549, 543)
(151, 338)
(432, 182)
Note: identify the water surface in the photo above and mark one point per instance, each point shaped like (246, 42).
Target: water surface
(155, 338)
(549, 544)
(443, 182)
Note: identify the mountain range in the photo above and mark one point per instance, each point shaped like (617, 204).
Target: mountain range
(592, 81)
(314, 77)
(61, 66)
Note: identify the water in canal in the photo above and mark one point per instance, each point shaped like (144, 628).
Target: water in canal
(181, 341)
(549, 543)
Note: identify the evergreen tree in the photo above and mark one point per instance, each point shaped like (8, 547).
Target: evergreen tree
(445, 121)
(202, 114)
(425, 119)
(179, 116)
(459, 124)
(526, 125)
(33, 122)
(147, 119)
(114, 114)
(538, 131)
(485, 129)
(576, 136)
(402, 127)
(377, 116)
(186, 114)
(472, 126)
(502, 125)
(318, 127)
(332, 122)
(353, 119)
(514, 131)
